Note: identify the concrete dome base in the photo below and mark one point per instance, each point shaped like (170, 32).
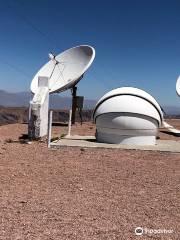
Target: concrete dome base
(125, 140)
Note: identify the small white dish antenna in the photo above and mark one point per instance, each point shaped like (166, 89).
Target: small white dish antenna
(178, 86)
(53, 58)
(65, 69)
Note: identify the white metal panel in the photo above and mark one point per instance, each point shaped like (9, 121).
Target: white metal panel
(128, 104)
(130, 91)
(119, 121)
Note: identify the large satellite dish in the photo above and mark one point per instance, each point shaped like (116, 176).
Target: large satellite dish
(65, 69)
(178, 86)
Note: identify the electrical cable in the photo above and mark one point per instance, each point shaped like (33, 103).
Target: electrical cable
(33, 26)
(16, 69)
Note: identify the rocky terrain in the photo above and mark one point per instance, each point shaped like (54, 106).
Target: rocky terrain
(85, 194)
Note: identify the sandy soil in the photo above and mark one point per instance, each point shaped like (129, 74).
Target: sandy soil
(89, 194)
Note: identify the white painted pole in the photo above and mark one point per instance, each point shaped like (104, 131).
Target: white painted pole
(50, 128)
(30, 106)
(29, 112)
(69, 124)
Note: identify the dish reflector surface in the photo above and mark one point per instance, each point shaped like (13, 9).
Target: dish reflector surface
(66, 69)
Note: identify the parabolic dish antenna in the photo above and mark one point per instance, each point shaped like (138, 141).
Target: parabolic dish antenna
(178, 86)
(65, 69)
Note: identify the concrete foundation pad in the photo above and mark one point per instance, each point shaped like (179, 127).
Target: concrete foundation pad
(90, 142)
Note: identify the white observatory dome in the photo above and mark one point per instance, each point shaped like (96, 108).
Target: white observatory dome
(129, 116)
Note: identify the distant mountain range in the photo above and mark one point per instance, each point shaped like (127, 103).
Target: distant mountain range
(171, 110)
(22, 99)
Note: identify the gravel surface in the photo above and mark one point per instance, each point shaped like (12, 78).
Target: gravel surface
(89, 194)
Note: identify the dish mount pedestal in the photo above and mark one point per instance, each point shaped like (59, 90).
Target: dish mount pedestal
(74, 101)
(74, 104)
(38, 111)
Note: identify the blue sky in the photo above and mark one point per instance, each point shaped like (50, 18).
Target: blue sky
(137, 43)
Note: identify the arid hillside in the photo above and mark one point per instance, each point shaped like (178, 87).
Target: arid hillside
(20, 115)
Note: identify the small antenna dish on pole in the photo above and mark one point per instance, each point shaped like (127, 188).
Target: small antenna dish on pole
(53, 58)
(178, 86)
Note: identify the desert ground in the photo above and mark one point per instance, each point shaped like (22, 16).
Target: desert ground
(88, 194)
